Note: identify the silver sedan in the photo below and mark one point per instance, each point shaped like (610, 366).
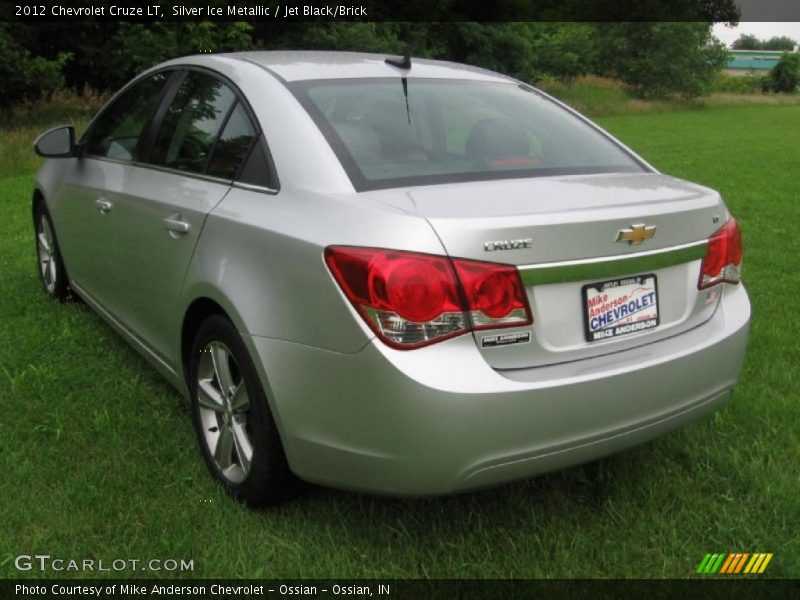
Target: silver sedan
(392, 275)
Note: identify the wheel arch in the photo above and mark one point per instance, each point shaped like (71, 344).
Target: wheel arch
(36, 199)
(198, 311)
(208, 301)
(200, 301)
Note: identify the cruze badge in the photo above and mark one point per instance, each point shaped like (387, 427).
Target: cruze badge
(508, 245)
(636, 234)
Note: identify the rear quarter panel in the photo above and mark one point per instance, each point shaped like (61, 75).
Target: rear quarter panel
(262, 256)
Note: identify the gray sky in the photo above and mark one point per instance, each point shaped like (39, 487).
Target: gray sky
(761, 30)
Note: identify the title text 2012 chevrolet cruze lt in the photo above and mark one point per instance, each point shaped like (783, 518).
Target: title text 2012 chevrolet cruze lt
(399, 276)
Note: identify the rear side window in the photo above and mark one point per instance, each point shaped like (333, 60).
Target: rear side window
(117, 131)
(258, 169)
(233, 145)
(387, 134)
(192, 122)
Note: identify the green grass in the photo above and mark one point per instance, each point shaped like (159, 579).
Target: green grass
(602, 97)
(98, 457)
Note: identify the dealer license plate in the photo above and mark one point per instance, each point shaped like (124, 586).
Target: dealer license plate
(620, 307)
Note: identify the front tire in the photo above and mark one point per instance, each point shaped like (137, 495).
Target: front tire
(52, 273)
(235, 428)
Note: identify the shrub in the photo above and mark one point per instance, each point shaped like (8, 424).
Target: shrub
(60, 106)
(657, 60)
(725, 83)
(784, 76)
(24, 76)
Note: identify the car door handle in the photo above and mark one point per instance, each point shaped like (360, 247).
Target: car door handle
(174, 224)
(104, 205)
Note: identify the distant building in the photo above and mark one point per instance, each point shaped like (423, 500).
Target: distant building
(752, 62)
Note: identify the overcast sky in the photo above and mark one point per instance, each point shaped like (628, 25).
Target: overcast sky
(761, 30)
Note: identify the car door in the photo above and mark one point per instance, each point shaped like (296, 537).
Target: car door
(201, 141)
(83, 211)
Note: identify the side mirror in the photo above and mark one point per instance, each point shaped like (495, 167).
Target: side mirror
(56, 143)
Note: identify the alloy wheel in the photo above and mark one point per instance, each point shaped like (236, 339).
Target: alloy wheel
(45, 247)
(224, 407)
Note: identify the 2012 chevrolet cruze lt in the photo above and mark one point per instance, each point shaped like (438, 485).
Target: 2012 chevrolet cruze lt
(399, 276)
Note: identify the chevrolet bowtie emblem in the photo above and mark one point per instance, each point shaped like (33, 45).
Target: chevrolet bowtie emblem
(636, 234)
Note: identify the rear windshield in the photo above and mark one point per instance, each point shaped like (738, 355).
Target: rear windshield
(388, 133)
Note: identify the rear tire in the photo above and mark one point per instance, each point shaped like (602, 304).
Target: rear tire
(52, 272)
(235, 428)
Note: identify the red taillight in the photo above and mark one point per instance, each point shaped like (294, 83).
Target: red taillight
(411, 300)
(494, 294)
(723, 260)
(417, 288)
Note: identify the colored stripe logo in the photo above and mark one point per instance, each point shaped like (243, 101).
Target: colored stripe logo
(733, 563)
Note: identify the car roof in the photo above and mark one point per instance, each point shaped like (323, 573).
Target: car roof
(304, 65)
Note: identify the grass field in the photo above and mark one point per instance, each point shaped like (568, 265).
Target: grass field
(603, 97)
(98, 457)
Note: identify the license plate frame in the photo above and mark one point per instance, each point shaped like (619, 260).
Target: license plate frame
(629, 305)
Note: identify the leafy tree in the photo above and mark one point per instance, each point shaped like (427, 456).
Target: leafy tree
(136, 46)
(784, 76)
(505, 47)
(105, 55)
(654, 59)
(358, 37)
(565, 50)
(658, 59)
(24, 76)
(527, 51)
(747, 41)
(779, 43)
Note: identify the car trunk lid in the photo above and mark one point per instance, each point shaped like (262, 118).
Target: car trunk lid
(583, 247)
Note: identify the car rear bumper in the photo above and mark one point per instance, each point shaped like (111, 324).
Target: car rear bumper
(440, 419)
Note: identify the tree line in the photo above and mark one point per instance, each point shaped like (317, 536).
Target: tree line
(654, 59)
(748, 41)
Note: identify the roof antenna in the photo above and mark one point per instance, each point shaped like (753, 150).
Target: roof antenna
(404, 63)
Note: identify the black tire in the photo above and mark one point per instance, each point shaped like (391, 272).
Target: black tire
(266, 479)
(52, 272)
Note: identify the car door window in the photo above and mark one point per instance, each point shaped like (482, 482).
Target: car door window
(233, 145)
(258, 169)
(191, 123)
(116, 132)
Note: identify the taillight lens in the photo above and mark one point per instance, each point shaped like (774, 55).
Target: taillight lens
(411, 300)
(723, 260)
(494, 294)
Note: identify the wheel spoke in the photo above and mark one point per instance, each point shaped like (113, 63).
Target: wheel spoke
(219, 354)
(223, 451)
(223, 404)
(51, 267)
(240, 401)
(47, 233)
(244, 450)
(208, 396)
(44, 244)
